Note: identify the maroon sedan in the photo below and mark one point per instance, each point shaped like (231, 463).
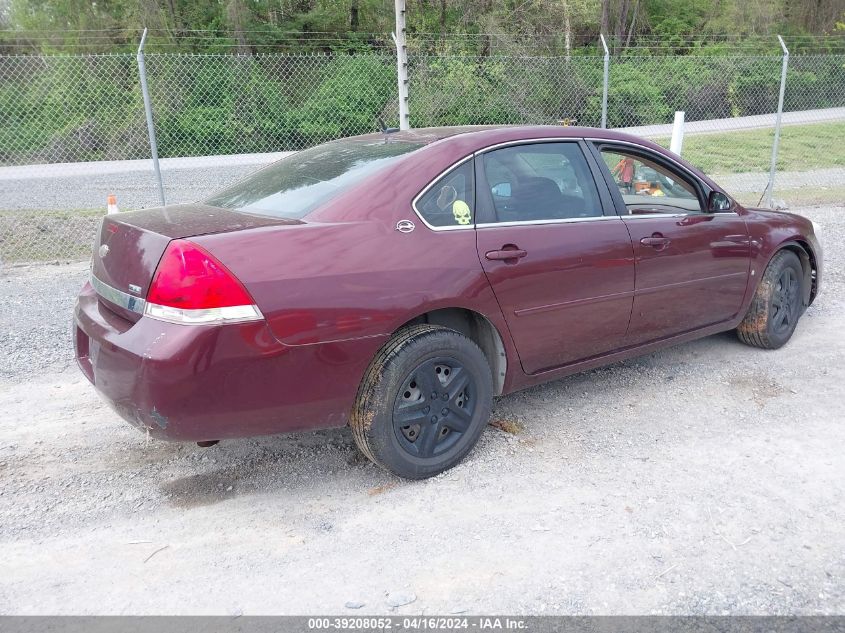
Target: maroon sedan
(396, 282)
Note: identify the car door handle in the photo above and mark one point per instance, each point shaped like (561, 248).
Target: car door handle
(656, 241)
(506, 253)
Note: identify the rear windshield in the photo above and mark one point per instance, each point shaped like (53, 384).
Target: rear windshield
(301, 182)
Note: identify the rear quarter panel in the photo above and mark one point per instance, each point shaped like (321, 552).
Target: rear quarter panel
(321, 283)
(327, 284)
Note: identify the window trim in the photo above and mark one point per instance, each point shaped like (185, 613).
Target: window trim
(595, 218)
(703, 190)
(485, 205)
(434, 181)
(590, 147)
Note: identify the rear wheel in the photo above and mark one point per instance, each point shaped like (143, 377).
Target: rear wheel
(423, 403)
(777, 304)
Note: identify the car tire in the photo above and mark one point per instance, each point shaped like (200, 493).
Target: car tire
(424, 402)
(777, 304)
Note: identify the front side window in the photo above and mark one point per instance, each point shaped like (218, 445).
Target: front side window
(649, 187)
(541, 181)
(450, 200)
(301, 182)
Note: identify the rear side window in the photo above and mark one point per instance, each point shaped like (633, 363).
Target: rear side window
(450, 200)
(298, 184)
(542, 181)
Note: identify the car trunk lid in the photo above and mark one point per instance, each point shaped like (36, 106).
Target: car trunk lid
(129, 246)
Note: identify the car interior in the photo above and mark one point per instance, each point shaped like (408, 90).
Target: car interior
(539, 182)
(648, 187)
(552, 181)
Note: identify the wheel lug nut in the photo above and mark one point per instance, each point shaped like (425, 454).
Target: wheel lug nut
(434, 395)
(445, 396)
(433, 419)
(445, 412)
(427, 409)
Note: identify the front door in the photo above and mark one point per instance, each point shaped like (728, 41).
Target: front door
(692, 265)
(557, 255)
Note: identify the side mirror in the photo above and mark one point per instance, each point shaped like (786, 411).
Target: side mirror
(718, 201)
(501, 190)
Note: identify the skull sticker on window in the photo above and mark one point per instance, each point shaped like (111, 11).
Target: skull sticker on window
(460, 210)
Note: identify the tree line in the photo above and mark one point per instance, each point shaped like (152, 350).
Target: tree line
(482, 27)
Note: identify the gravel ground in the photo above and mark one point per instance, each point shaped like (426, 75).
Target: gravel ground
(704, 479)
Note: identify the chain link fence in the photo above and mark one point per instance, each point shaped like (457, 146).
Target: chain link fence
(718, 96)
(73, 131)
(458, 90)
(237, 104)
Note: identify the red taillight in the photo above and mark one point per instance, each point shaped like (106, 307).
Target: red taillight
(190, 278)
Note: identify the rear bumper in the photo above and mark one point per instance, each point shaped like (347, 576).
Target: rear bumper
(208, 382)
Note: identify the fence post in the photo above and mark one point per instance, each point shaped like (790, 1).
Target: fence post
(142, 73)
(677, 141)
(606, 81)
(773, 168)
(401, 64)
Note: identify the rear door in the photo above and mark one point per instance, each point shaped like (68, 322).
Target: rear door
(557, 255)
(692, 265)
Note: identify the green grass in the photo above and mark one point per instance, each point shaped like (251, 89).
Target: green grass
(37, 235)
(802, 148)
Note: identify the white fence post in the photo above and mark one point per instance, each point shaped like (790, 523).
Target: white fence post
(773, 168)
(606, 81)
(401, 64)
(677, 133)
(151, 130)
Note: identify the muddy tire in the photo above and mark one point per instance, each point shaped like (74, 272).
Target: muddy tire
(777, 304)
(423, 403)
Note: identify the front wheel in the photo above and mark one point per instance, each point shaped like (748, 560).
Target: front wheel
(423, 403)
(777, 304)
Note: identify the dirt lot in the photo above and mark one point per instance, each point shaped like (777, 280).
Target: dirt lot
(708, 478)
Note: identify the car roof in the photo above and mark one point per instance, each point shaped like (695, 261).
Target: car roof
(501, 133)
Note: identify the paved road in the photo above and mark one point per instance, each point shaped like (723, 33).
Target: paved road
(64, 186)
(86, 185)
(737, 124)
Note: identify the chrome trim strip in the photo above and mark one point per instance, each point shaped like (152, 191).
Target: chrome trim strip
(118, 297)
(456, 227)
(691, 214)
(654, 216)
(211, 316)
(596, 218)
(203, 316)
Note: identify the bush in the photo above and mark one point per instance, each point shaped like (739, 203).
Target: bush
(55, 109)
(634, 97)
(89, 107)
